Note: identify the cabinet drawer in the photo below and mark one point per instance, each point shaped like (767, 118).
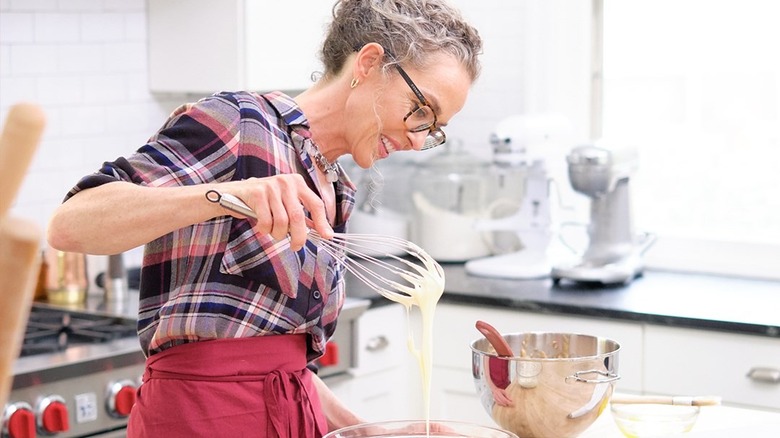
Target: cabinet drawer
(383, 395)
(381, 339)
(696, 362)
(455, 331)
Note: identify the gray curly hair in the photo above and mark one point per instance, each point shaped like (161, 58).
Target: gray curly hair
(410, 30)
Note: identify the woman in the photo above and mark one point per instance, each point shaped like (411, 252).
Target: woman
(233, 309)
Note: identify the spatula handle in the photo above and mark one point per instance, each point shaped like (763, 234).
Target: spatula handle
(496, 340)
(662, 400)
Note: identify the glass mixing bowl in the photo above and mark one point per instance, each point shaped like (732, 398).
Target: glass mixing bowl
(417, 429)
(646, 420)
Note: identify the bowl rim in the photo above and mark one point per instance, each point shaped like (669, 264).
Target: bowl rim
(632, 422)
(419, 421)
(617, 349)
(659, 409)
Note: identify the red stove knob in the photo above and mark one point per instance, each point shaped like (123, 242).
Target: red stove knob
(53, 415)
(19, 421)
(121, 398)
(331, 354)
(125, 400)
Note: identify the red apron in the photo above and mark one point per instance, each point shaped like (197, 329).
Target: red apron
(243, 387)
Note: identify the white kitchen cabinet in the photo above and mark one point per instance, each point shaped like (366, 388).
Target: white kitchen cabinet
(204, 46)
(380, 387)
(697, 362)
(455, 398)
(454, 394)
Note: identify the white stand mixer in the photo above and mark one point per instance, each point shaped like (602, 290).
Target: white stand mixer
(614, 252)
(532, 222)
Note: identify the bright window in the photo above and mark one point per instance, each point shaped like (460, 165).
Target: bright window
(695, 86)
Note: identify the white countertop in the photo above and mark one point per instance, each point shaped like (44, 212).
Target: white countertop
(713, 422)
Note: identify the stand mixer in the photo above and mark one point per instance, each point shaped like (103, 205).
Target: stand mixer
(614, 252)
(531, 222)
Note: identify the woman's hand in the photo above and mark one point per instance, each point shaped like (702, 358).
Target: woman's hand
(281, 202)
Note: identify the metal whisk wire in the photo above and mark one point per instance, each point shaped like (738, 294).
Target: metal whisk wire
(395, 277)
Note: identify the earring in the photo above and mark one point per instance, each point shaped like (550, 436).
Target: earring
(354, 83)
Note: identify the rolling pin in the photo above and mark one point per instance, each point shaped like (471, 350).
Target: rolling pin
(18, 142)
(20, 242)
(20, 239)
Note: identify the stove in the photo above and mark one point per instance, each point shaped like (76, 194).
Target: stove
(77, 375)
(51, 330)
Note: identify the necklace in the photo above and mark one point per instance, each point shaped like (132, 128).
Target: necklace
(331, 170)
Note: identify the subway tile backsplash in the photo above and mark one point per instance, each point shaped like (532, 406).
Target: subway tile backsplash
(84, 62)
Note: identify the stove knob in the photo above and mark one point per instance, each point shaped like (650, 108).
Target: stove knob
(120, 398)
(331, 355)
(19, 421)
(52, 415)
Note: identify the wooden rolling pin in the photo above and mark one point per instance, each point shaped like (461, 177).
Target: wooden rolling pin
(662, 400)
(20, 240)
(18, 142)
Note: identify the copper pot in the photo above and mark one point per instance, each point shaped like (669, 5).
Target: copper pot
(66, 280)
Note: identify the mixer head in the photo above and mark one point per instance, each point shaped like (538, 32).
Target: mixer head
(522, 138)
(595, 169)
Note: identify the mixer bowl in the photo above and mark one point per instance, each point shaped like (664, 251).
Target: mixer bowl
(557, 383)
(417, 429)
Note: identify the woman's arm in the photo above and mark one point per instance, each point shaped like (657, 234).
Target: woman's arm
(337, 414)
(119, 216)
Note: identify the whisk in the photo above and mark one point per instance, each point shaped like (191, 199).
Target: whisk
(400, 278)
(418, 273)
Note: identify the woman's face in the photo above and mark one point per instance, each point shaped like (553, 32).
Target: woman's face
(378, 128)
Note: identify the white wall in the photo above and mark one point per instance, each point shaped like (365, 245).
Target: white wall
(84, 61)
(536, 60)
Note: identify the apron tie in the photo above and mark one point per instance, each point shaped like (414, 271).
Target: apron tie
(281, 387)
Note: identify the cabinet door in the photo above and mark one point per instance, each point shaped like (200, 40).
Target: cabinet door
(454, 397)
(205, 46)
(381, 339)
(194, 45)
(283, 40)
(696, 362)
(380, 387)
(378, 396)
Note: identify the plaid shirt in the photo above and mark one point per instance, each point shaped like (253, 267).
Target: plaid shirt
(218, 279)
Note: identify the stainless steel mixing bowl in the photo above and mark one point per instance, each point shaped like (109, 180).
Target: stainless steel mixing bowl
(555, 385)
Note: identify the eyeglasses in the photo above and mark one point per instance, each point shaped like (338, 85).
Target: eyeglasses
(423, 117)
